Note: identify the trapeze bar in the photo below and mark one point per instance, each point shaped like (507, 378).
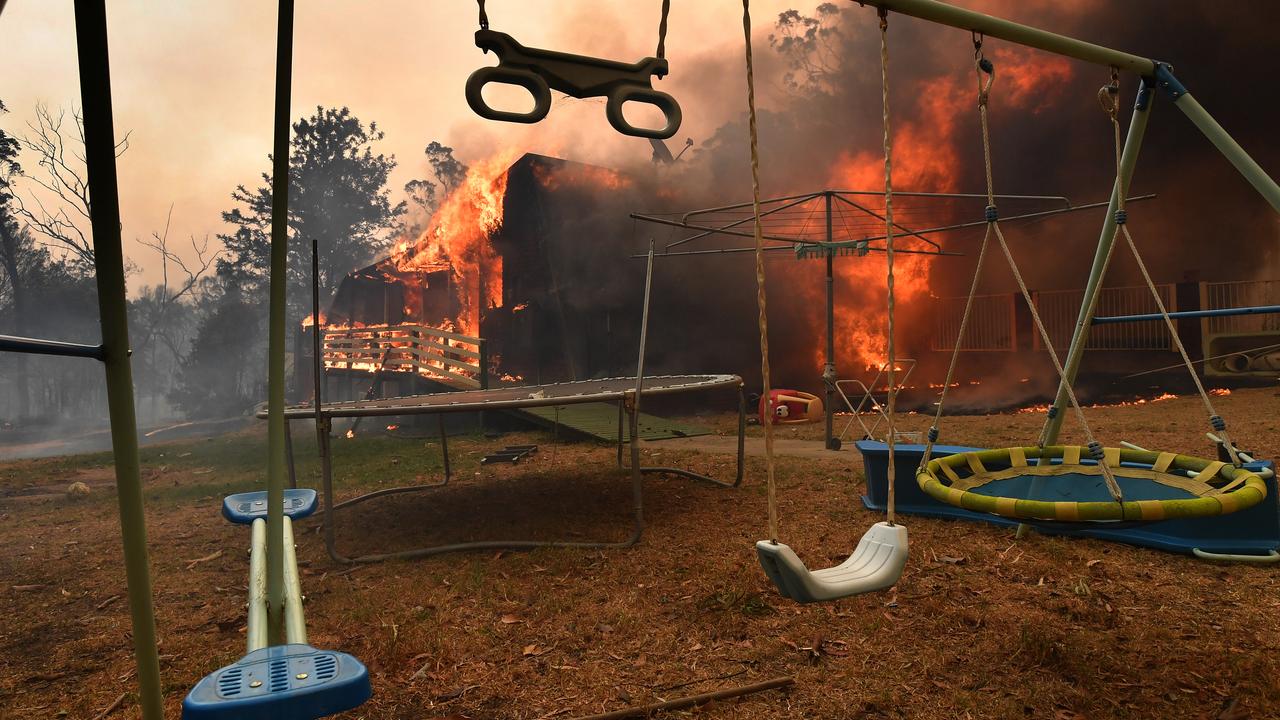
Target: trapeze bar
(945, 14)
(1219, 312)
(10, 343)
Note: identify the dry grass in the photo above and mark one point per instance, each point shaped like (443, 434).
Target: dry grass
(980, 626)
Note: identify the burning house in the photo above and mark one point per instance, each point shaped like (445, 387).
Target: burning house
(531, 254)
(507, 257)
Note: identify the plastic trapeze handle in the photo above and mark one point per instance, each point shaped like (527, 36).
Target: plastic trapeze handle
(526, 79)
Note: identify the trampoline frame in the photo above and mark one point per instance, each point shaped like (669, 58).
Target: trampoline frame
(627, 408)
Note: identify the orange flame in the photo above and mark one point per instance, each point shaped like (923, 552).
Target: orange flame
(457, 239)
(924, 158)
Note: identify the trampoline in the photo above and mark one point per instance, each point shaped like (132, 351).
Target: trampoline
(619, 390)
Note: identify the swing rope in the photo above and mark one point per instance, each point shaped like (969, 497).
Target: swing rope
(760, 291)
(1109, 97)
(986, 75)
(892, 398)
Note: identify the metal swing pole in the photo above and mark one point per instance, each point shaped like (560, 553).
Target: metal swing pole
(276, 427)
(1080, 335)
(108, 260)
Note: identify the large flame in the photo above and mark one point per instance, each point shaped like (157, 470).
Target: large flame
(924, 158)
(457, 240)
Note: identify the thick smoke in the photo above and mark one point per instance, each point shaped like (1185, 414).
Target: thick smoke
(1049, 136)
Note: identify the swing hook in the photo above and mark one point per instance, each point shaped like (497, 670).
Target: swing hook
(985, 68)
(1109, 95)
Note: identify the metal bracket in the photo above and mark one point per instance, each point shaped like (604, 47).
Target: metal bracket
(1165, 80)
(580, 76)
(1143, 100)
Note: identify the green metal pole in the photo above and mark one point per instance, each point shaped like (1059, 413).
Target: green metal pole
(108, 259)
(1229, 148)
(1080, 336)
(275, 345)
(945, 14)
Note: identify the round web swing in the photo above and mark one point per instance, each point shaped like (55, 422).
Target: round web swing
(1070, 483)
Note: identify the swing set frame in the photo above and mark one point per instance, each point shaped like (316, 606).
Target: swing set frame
(91, 40)
(1155, 75)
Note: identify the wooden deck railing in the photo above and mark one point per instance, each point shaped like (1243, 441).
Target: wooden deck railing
(449, 357)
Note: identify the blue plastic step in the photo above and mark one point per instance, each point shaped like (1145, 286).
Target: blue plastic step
(285, 682)
(244, 508)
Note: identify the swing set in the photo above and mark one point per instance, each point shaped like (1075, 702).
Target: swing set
(283, 677)
(1046, 482)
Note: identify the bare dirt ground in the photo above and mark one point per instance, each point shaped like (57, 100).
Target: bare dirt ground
(980, 626)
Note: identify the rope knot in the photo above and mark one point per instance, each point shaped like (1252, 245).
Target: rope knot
(933, 434)
(1218, 423)
(991, 213)
(1096, 451)
(1053, 411)
(1122, 217)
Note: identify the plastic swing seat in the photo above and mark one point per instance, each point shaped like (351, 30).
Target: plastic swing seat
(244, 508)
(283, 682)
(876, 564)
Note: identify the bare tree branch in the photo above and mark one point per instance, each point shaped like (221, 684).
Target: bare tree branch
(63, 180)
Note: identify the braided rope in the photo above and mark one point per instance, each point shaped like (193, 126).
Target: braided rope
(888, 219)
(932, 437)
(982, 66)
(760, 291)
(662, 29)
(1215, 420)
(955, 352)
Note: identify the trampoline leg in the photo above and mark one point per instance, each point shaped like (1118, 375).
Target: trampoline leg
(620, 405)
(742, 443)
(324, 427)
(637, 479)
(444, 451)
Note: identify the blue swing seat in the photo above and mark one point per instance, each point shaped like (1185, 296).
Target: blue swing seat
(284, 682)
(244, 508)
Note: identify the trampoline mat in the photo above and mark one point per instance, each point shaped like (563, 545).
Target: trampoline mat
(567, 393)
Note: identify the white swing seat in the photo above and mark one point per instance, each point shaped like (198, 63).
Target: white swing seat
(876, 564)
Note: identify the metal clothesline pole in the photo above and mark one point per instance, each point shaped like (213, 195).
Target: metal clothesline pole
(829, 368)
(926, 231)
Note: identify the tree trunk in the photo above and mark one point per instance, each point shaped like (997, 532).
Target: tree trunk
(9, 258)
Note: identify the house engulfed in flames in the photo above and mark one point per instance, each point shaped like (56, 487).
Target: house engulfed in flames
(508, 257)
